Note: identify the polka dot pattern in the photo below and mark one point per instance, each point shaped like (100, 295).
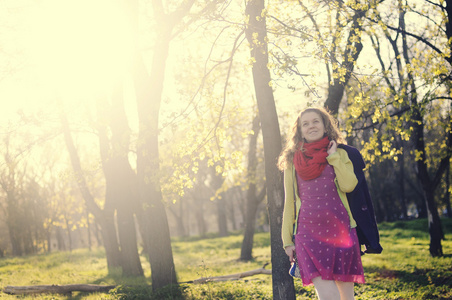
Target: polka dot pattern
(325, 244)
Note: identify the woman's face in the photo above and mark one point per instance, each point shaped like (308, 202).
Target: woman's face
(312, 127)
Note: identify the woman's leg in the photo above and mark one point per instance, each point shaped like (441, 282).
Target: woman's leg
(326, 289)
(346, 289)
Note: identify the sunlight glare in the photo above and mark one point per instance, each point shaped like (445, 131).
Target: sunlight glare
(81, 47)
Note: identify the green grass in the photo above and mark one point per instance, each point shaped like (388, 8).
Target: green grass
(404, 270)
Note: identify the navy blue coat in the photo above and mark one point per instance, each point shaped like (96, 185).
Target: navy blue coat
(361, 205)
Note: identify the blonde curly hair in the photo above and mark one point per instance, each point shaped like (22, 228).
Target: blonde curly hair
(295, 137)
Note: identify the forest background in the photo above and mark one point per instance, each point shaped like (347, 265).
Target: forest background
(124, 123)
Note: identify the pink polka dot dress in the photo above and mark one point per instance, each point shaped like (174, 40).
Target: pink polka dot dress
(325, 244)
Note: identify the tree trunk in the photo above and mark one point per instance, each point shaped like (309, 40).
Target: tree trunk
(148, 88)
(152, 215)
(60, 239)
(230, 208)
(221, 213)
(434, 225)
(104, 217)
(256, 33)
(68, 231)
(179, 218)
(200, 221)
(402, 196)
(248, 235)
(120, 179)
(88, 231)
(428, 187)
(215, 185)
(13, 223)
(252, 202)
(153, 218)
(110, 241)
(447, 195)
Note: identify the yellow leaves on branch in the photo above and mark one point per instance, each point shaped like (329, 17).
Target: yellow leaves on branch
(442, 69)
(380, 148)
(356, 5)
(376, 116)
(418, 155)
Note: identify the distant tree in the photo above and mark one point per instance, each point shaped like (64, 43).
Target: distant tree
(9, 180)
(253, 196)
(409, 99)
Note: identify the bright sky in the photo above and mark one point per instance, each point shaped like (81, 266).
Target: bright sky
(70, 50)
(60, 48)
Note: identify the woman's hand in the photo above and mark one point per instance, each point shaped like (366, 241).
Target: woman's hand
(290, 251)
(332, 147)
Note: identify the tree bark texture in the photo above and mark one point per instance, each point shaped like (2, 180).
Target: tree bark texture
(256, 33)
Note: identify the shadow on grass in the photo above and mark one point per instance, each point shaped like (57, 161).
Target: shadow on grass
(137, 288)
(419, 277)
(145, 292)
(137, 292)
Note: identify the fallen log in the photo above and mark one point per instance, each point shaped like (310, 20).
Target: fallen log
(57, 289)
(235, 276)
(93, 288)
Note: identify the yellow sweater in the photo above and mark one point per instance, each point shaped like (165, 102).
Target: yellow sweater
(345, 182)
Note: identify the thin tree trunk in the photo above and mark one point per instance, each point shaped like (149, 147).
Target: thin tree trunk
(179, 217)
(402, 186)
(60, 239)
(215, 185)
(200, 221)
(88, 231)
(256, 33)
(69, 235)
(252, 202)
(222, 219)
(447, 195)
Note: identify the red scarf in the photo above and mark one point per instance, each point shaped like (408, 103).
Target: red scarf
(311, 162)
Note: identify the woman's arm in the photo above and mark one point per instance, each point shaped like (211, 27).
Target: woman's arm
(289, 211)
(343, 168)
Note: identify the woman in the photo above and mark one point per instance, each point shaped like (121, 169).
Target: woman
(318, 228)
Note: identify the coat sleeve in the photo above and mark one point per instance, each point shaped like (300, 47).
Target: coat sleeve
(343, 168)
(361, 205)
(289, 210)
